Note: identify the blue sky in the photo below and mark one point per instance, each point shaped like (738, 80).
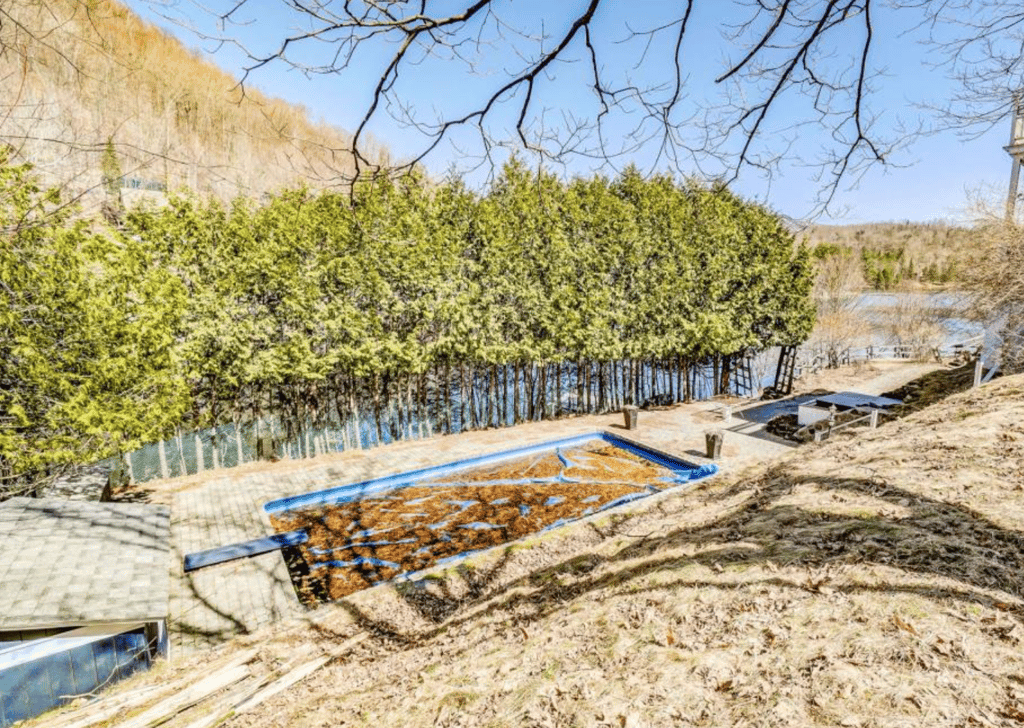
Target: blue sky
(931, 179)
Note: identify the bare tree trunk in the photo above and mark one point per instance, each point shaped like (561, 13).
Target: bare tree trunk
(542, 392)
(448, 404)
(589, 387)
(638, 365)
(375, 384)
(528, 386)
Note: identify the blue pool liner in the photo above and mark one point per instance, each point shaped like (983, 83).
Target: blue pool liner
(685, 471)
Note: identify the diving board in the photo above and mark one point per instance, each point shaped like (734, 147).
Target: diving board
(245, 549)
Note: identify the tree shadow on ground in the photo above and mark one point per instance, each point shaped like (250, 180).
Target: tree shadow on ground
(903, 530)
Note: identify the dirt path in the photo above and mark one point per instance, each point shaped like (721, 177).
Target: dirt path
(873, 377)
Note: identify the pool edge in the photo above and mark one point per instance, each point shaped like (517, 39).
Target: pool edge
(373, 485)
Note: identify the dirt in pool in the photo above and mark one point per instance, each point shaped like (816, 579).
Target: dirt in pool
(355, 545)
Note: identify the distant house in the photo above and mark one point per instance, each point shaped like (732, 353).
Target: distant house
(83, 598)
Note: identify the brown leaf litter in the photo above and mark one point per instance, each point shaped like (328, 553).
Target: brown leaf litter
(875, 580)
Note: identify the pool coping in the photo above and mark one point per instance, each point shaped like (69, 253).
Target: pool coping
(353, 491)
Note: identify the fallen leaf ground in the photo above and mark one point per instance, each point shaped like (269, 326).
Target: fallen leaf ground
(873, 580)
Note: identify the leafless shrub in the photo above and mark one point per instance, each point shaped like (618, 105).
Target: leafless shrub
(995, 280)
(841, 323)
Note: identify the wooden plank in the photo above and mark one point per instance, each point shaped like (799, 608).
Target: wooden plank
(104, 710)
(298, 674)
(196, 693)
(221, 710)
(269, 686)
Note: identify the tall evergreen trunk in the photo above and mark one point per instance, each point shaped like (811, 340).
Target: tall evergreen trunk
(375, 385)
(638, 368)
(542, 392)
(623, 377)
(504, 394)
(448, 404)
(399, 409)
(579, 385)
(421, 418)
(353, 409)
(338, 408)
(462, 398)
(529, 392)
(516, 414)
(479, 394)
(409, 414)
(558, 389)
(589, 388)
(394, 423)
(488, 408)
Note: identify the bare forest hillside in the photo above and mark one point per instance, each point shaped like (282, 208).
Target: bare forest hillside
(894, 253)
(107, 106)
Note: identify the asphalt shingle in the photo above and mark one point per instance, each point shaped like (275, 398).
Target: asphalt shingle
(80, 561)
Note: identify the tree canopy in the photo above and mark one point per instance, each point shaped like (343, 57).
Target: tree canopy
(422, 299)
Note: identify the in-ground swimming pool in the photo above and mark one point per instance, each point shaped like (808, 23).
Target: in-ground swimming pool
(377, 530)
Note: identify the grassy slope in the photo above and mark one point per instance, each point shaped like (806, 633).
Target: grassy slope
(873, 581)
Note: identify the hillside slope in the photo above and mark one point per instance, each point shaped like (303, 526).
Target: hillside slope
(872, 581)
(75, 75)
(889, 253)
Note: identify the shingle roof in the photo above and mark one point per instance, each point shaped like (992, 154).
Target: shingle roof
(72, 562)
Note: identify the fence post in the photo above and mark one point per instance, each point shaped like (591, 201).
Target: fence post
(200, 465)
(977, 372)
(164, 471)
(874, 419)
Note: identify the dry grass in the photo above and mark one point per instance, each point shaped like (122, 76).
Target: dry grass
(875, 581)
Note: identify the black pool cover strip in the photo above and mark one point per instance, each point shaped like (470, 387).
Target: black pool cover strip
(219, 555)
